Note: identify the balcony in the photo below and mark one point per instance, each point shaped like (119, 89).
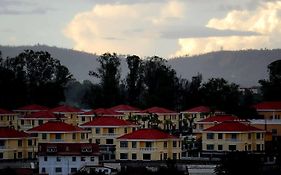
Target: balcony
(109, 134)
(148, 149)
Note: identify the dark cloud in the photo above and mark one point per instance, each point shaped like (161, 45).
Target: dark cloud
(199, 32)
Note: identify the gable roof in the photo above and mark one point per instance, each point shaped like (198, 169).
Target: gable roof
(232, 126)
(68, 149)
(41, 115)
(219, 118)
(147, 134)
(6, 132)
(158, 110)
(55, 126)
(198, 109)
(32, 107)
(5, 112)
(268, 105)
(108, 122)
(101, 112)
(65, 109)
(124, 108)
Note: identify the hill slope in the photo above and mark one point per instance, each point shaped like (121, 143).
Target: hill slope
(242, 67)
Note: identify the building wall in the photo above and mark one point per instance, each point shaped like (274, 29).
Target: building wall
(71, 137)
(65, 163)
(270, 114)
(275, 129)
(244, 141)
(10, 120)
(156, 150)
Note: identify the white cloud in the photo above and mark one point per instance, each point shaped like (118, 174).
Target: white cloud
(123, 28)
(265, 20)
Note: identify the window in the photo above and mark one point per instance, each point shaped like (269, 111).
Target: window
(40, 122)
(73, 170)
(220, 136)
(134, 156)
(44, 136)
(97, 130)
(45, 158)
(58, 159)
(165, 144)
(201, 126)
(83, 119)
(22, 122)
(1, 155)
(29, 142)
(165, 156)
(210, 136)
(123, 156)
(210, 147)
(249, 136)
(234, 136)
(92, 159)
(249, 147)
(2, 143)
(109, 141)
(148, 144)
(29, 155)
(174, 155)
(125, 130)
(74, 136)
(58, 136)
(134, 144)
(220, 147)
(97, 141)
(258, 147)
(19, 143)
(274, 132)
(58, 169)
(83, 159)
(146, 156)
(111, 130)
(123, 144)
(232, 147)
(73, 159)
(174, 143)
(258, 136)
(19, 155)
(43, 170)
(82, 136)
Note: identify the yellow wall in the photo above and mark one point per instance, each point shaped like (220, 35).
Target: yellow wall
(73, 137)
(270, 114)
(9, 120)
(270, 128)
(157, 149)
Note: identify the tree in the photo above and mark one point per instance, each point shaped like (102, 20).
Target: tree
(109, 75)
(134, 80)
(271, 88)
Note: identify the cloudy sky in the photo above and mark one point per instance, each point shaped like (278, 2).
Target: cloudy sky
(144, 27)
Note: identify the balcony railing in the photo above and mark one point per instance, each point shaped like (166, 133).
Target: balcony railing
(148, 149)
(109, 134)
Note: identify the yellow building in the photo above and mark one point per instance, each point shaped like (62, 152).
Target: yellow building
(35, 119)
(16, 144)
(8, 119)
(69, 113)
(232, 136)
(29, 109)
(168, 119)
(59, 132)
(148, 144)
(269, 110)
(127, 110)
(105, 130)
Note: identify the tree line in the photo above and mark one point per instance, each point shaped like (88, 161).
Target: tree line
(37, 77)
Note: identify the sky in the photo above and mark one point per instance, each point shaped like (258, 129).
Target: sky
(166, 28)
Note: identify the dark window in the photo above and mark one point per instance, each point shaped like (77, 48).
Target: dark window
(73, 170)
(82, 136)
(249, 136)
(109, 141)
(29, 155)
(125, 130)
(258, 136)
(111, 130)
(258, 147)
(44, 136)
(83, 119)
(97, 130)
(220, 135)
(58, 136)
(29, 142)
(92, 159)
(146, 156)
(232, 147)
(40, 122)
(123, 156)
(210, 136)
(83, 159)
(165, 144)
(2, 143)
(134, 156)
(1, 155)
(97, 141)
(174, 143)
(19, 143)
(74, 136)
(58, 169)
(123, 144)
(73, 159)
(165, 156)
(174, 155)
(45, 159)
(234, 136)
(134, 144)
(19, 155)
(43, 170)
(210, 147)
(58, 159)
(274, 132)
(220, 147)
(148, 144)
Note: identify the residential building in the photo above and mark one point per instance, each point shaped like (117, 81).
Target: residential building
(273, 126)
(66, 158)
(164, 118)
(16, 144)
(269, 110)
(147, 145)
(105, 130)
(8, 118)
(127, 110)
(59, 132)
(35, 119)
(232, 136)
(69, 113)
(29, 109)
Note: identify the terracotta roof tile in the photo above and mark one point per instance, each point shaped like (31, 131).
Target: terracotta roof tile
(198, 109)
(56, 126)
(232, 126)
(269, 105)
(107, 121)
(148, 134)
(124, 108)
(220, 118)
(6, 132)
(4, 111)
(158, 110)
(102, 112)
(41, 115)
(65, 109)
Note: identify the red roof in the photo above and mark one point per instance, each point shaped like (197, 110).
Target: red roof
(232, 126)
(147, 134)
(270, 105)
(124, 108)
(70, 149)
(41, 114)
(157, 110)
(56, 126)
(199, 109)
(66, 109)
(32, 107)
(6, 132)
(220, 118)
(102, 112)
(108, 121)
(4, 111)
